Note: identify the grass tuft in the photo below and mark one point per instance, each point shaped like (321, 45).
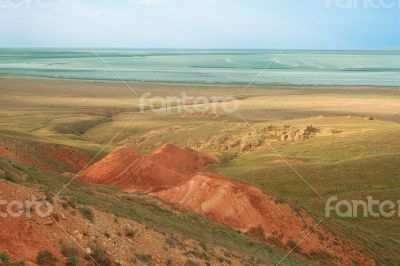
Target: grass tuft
(45, 257)
(87, 213)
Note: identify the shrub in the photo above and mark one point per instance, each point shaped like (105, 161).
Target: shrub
(100, 255)
(49, 196)
(129, 232)
(45, 257)
(170, 241)
(72, 261)
(169, 262)
(274, 240)
(68, 250)
(291, 243)
(87, 213)
(64, 205)
(4, 258)
(143, 257)
(18, 166)
(9, 177)
(257, 232)
(67, 203)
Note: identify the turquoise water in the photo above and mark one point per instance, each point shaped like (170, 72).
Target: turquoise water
(209, 66)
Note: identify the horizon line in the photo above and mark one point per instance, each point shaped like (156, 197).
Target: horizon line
(186, 48)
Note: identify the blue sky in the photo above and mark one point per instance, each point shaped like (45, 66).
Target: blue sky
(297, 24)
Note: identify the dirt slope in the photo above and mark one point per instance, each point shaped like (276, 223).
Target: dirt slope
(249, 209)
(184, 160)
(23, 237)
(125, 242)
(167, 167)
(171, 173)
(46, 156)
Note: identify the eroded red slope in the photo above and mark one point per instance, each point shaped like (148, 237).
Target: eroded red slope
(184, 160)
(167, 167)
(170, 174)
(23, 237)
(46, 156)
(249, 209)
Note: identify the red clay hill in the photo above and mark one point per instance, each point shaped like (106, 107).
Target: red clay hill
(165, 168)
(250, 210)
(172, 174)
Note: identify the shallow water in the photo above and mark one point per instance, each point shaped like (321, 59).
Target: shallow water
(209, 66)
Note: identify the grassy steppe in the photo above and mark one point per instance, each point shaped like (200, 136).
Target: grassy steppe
(363, 160)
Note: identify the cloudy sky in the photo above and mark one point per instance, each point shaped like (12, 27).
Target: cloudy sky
(303, 24)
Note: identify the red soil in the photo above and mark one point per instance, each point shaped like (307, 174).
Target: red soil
(165, 168)
(249, 209)
(8, 154)
(184, 160)
(43, 155)
(23, 237)
(225, 201)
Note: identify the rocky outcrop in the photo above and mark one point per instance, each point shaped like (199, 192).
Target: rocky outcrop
(245, 141)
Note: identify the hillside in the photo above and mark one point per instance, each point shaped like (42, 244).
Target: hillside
(224, 201)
